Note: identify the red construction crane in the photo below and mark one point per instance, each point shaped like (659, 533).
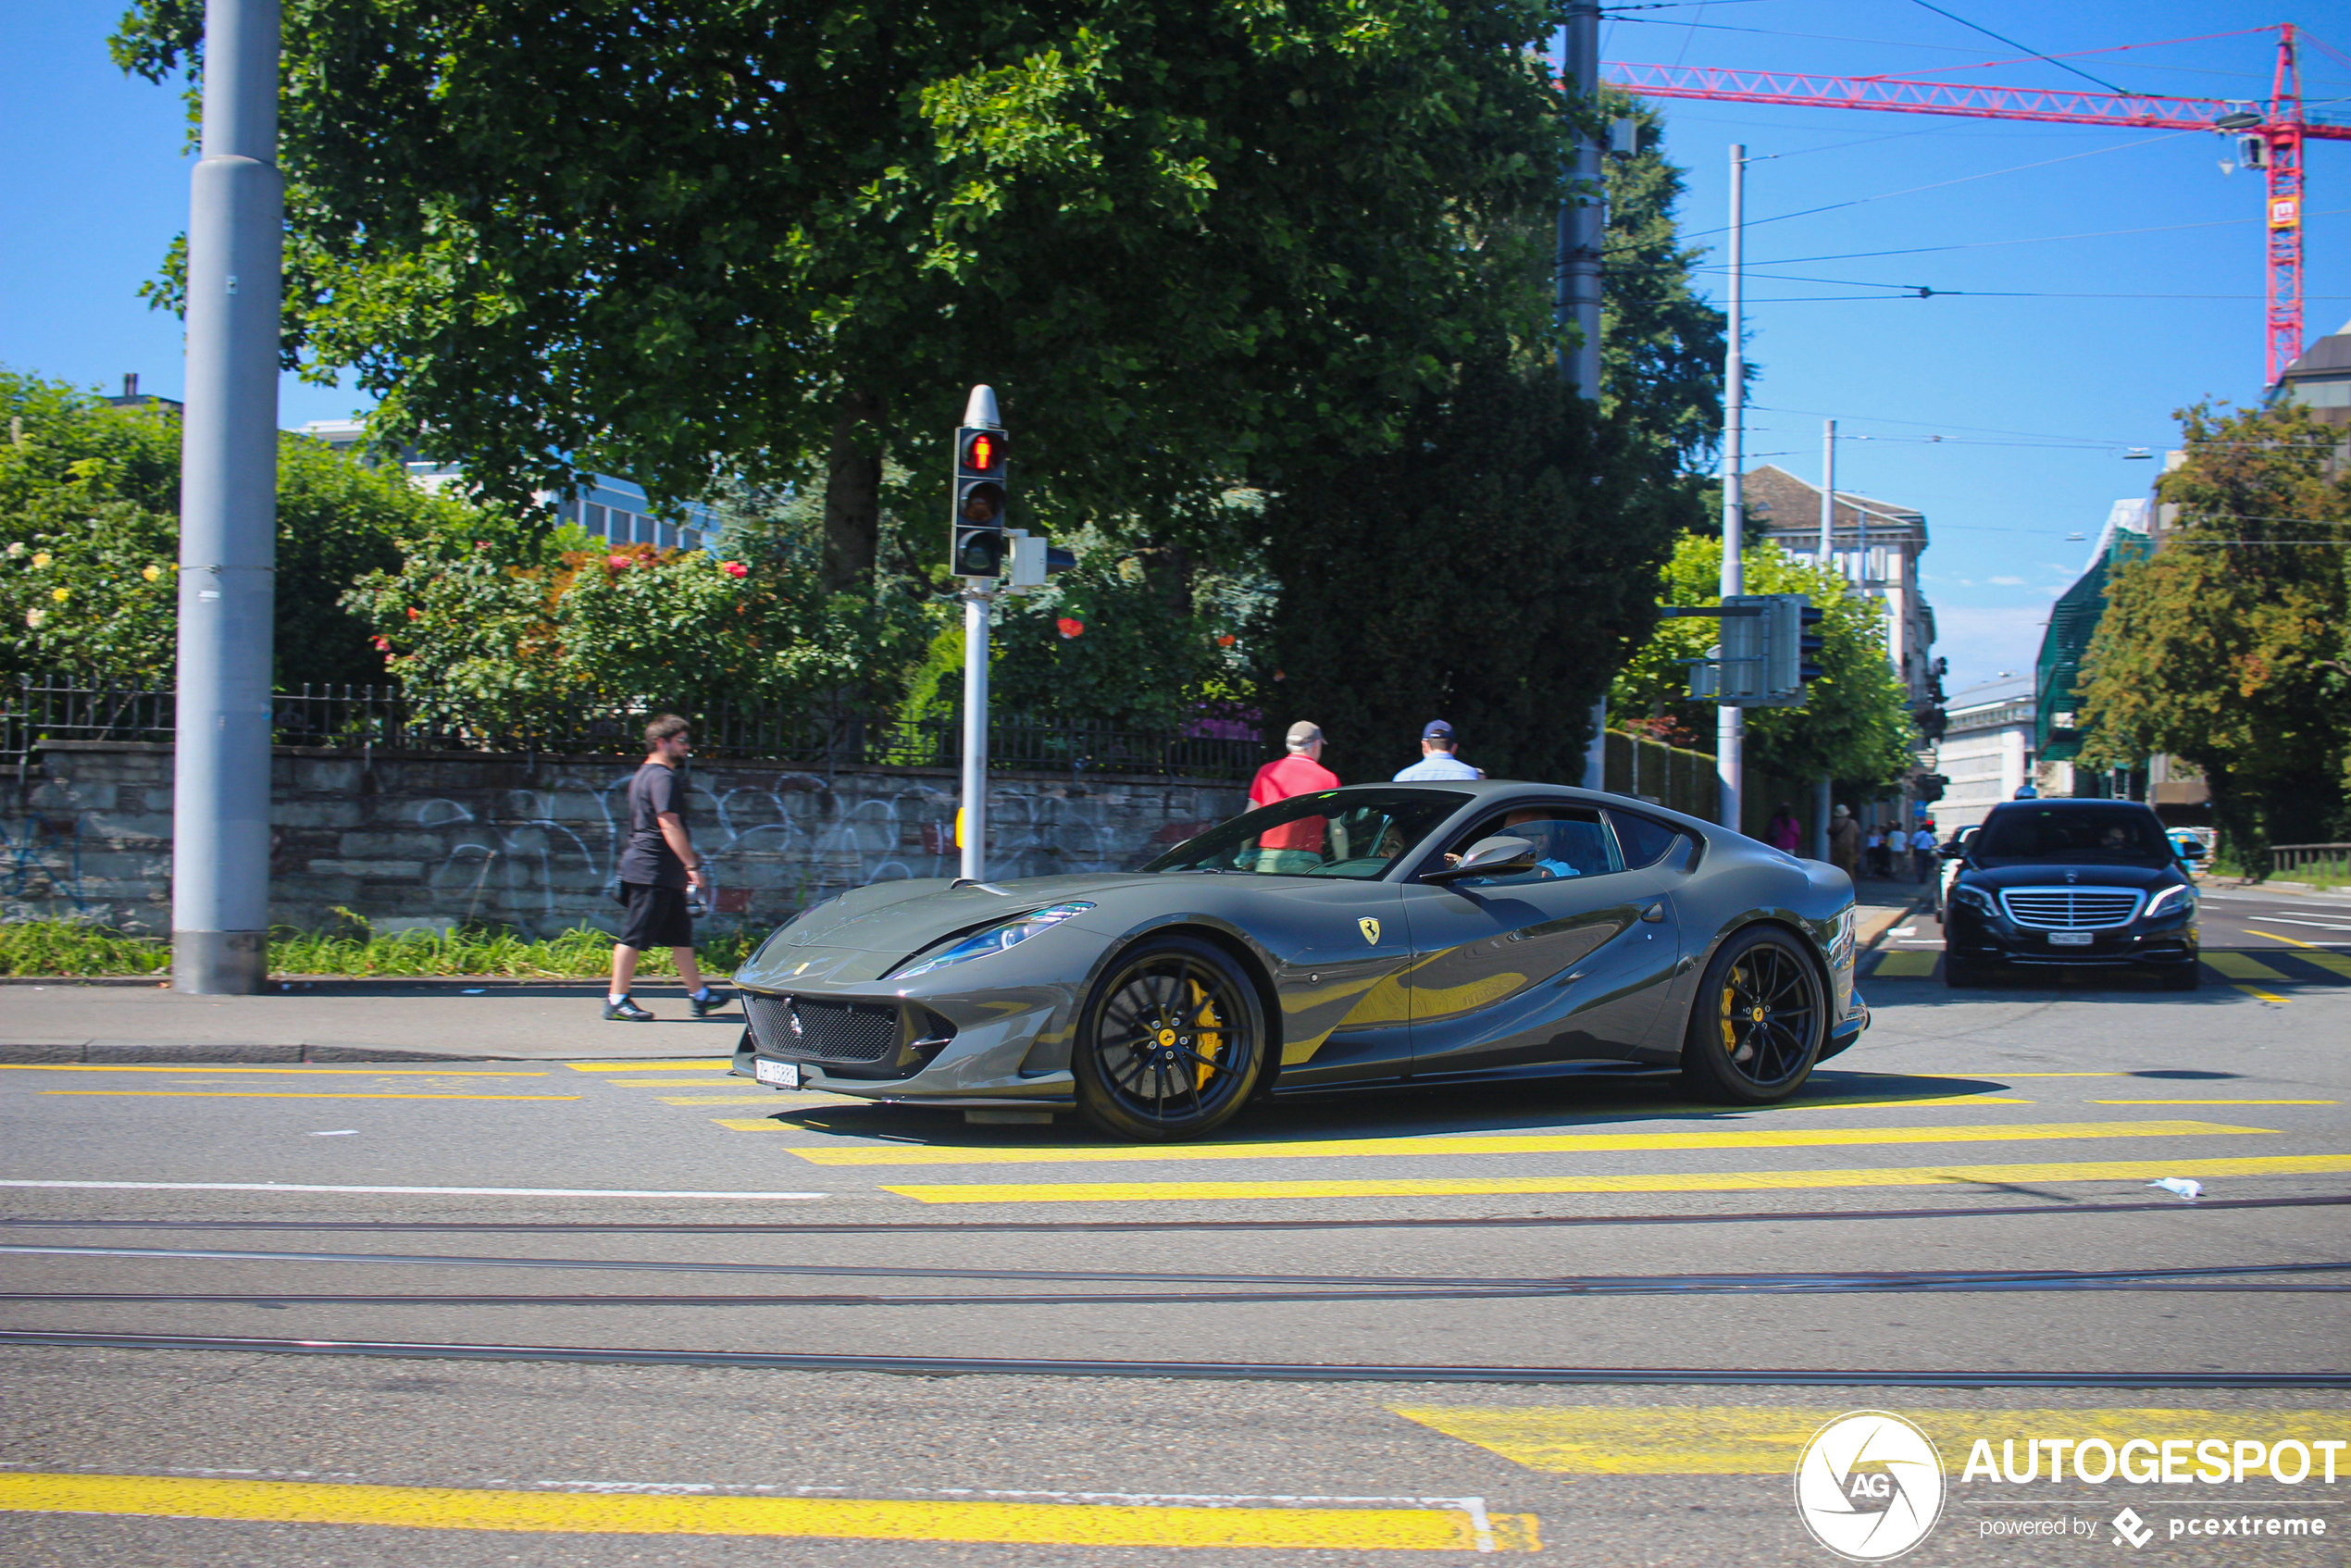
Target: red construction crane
(2270, 136)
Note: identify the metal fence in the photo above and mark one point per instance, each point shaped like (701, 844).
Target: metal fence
(38, 709)
(2290, 858)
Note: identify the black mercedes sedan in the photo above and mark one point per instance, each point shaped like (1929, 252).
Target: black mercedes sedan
(2072, 883)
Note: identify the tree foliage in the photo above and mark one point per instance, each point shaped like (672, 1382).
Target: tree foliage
(90, 531)
(2226, 648)
(1183, 241)
(1495, 567)
(1854, 725)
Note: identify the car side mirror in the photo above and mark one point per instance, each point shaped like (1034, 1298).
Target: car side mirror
(1498, 856)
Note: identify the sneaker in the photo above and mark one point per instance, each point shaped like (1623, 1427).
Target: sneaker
(709, 1002)
(626, 1011)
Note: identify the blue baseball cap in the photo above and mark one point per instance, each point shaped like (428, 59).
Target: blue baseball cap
(1436, 729)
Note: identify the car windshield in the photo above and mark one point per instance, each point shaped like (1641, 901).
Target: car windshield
(2120, 834)
(1356, 833)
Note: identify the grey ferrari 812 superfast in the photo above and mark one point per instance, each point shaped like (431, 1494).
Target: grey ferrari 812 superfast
(1481, 931)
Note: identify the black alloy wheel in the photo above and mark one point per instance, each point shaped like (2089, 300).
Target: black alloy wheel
(1171, 1044)
(1759, 1023)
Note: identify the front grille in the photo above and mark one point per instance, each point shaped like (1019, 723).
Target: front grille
(796, 1027)
(2071, 909)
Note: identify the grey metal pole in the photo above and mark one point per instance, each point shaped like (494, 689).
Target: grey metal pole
(227, 514)
(972, 821)
(1828, 491)
(1730, 723)
(1583, 233)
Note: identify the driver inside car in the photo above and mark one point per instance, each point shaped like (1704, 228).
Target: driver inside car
(1540, 828)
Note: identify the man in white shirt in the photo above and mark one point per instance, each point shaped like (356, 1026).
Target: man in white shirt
(1922, 850)
(1437, 760)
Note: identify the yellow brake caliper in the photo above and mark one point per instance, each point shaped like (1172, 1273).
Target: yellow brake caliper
(1730, 1000)
(1210, 1039)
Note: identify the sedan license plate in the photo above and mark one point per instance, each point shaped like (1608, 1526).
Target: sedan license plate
(781, 1075)
(2070, 939)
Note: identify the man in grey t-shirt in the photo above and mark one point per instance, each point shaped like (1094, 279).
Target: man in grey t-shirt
(658, 866)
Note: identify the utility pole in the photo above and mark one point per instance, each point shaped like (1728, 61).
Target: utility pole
(227, 514)
(1730, 721)
(979, 596)
(1823, 788)
(1583, 231)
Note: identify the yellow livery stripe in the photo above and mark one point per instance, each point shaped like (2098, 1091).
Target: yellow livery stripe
(1017, 1524)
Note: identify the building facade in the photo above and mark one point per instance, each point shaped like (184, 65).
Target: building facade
(608, 506)
(1986, 756)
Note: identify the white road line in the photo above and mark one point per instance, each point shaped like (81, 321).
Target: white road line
(2289, 920)
(421, 1191)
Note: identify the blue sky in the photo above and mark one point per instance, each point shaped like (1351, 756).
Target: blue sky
(2034, 399)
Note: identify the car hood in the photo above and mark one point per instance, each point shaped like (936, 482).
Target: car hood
(2146, 878)
(899, 918)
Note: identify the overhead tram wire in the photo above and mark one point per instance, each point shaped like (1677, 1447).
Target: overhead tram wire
(1978, 26)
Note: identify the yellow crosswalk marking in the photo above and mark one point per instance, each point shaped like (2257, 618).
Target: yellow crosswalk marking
(1513, 1143)
(1020, 1524)
(2240, 966)
(2311, 953)
(209, 1070)
(1924, 1100)
(707, 1064)
(1905, 963)
(738, 1099)
(265, 1094)
(1672, 1181)
(719, 1080)
(1765, 1440)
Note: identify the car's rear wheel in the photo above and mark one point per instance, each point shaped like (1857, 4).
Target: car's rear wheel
(1171, 1044)
(1759, 1023)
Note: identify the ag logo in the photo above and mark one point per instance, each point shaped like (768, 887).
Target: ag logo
(1869, 1486)
(1370, 927)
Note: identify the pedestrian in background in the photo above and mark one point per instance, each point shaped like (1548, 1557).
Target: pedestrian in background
(1844, 842)
(1293, 846)
(1922, 850)
(1873, 849)
(1784, 832)
(1437, 760)
(658, 867)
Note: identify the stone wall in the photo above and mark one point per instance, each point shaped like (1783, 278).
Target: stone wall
(414, 840)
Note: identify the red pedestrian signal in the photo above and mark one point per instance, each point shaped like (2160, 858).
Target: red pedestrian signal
(977, 544)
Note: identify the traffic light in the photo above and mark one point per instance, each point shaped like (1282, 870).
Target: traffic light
(978, 546)
(1930, 787)
(1808, 642)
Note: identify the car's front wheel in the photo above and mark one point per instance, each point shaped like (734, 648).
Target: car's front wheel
(1759, 1023)
(1171, 1044)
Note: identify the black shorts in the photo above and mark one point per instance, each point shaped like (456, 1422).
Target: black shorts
(656, 917)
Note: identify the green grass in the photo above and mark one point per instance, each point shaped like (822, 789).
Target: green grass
(2318, 874)
(72, 948)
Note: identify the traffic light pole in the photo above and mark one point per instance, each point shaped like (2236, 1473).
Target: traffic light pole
(1583, 232)
(971, 833)
(1730, 722)
(227, 514)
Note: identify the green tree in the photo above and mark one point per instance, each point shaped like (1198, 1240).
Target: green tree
(1184, 242)
(2226, 647)
(1854, 725)
(91, 493)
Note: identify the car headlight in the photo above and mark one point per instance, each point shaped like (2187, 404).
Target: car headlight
(994, 939)
(2182, 896)
(1973, 897)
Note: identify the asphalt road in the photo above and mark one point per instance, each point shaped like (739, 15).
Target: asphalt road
(1589, 1322)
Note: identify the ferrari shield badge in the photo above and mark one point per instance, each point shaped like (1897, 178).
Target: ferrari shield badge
(1370, 927)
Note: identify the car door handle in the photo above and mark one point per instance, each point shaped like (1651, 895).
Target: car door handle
(1654, 912)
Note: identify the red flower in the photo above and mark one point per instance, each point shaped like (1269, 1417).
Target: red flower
(734, 568)
(1069, 625)
(1225, 640)
(414, 614)
(616, 562)
(383, 645)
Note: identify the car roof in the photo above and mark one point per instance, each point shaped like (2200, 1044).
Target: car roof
(1484, 789)
(2070, 804)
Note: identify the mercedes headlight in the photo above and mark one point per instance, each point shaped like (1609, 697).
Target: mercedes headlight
(2169, 899)
(1973, 897)
(993, 938)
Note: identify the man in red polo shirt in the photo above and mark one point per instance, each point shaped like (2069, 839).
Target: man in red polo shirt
(1293, 846)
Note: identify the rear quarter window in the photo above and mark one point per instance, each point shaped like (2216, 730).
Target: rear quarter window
(1644, 839)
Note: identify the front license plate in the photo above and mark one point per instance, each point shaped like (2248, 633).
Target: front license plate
(2070, 939)
(782, 1074)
